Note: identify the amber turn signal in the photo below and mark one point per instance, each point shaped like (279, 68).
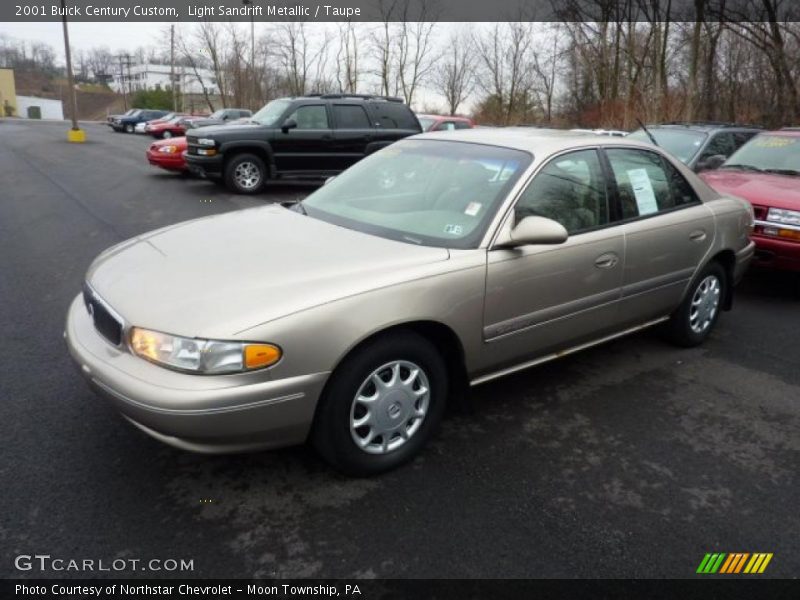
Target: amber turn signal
(257, 356)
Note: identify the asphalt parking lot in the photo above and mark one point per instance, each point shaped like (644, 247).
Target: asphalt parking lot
(632, 459)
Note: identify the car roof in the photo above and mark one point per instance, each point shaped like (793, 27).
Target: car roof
(539, 142)
(453, 117)
(706, 126)
(790, 131)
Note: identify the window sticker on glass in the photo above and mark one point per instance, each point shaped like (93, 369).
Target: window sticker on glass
(643, 191)
(773, 141)
(453, 229)
(473, 208)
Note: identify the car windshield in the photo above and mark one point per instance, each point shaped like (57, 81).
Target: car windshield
(271, 112)
(681, 143)
(426, 123)
(427, 192)
(768, 152)
(134, 113)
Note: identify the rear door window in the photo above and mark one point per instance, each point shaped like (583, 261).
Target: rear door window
(647, 184)
(350, 116)
(311, 116)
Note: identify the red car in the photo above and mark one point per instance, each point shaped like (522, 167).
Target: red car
(171, 128)
(168, 154)
(766, 173)
(440, 123)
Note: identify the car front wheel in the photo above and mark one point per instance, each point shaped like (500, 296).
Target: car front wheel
(381, 405)
(245, 174)
(697, 315)
(166, 135)
(129, 128)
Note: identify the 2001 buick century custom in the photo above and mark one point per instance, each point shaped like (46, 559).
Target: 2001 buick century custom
(349, 318)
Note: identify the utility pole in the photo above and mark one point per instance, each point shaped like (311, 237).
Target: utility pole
(252, 56)
(76, 134)
(172, 67)
(122, 83)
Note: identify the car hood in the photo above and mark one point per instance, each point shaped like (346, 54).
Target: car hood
(219, 276)
(180, 142)
(766, 189)
(226, 129)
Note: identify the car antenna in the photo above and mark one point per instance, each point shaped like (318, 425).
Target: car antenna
(647, 131)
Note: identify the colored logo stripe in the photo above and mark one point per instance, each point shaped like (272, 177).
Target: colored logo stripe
(758, 563)
(734, 563)
(711, 563)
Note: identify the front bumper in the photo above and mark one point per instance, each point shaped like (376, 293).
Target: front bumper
(212, 414)
(776, 253)
(170, 162)
(204, 165)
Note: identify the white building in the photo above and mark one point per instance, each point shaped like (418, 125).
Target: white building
(29, 106)
(149, 76)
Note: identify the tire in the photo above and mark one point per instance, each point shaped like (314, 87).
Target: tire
(129, 128)
(401, 417)
(245, 174)
(166, 135)
(697, 315)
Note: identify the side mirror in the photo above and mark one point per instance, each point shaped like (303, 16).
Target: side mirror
(711, 162)
(288, 124)
(534, 230)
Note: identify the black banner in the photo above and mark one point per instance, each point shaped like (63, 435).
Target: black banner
(395, 10)
(401, 589)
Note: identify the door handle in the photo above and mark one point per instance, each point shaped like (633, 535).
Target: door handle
(698, 235)
(606, 261)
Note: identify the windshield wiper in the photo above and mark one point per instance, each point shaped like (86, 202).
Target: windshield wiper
(742, 167)
(782, 171)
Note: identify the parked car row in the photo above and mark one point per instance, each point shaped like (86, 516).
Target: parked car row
(137, 120)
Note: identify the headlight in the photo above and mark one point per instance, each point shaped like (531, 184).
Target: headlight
(786, 217)
(168, 149)
(201, 356)
(206, 142)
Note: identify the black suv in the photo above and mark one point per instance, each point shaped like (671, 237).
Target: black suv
(310, 136)
(699, 145)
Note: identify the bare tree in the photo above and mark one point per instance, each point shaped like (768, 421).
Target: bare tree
(454, 78)
(302, 58)
(415, 57)
(347, 65)
(504, 54)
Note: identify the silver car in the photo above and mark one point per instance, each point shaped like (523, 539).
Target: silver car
(350, 319)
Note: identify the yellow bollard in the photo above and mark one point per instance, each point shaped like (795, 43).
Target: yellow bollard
(76, 135)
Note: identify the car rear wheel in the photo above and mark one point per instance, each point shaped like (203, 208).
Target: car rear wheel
(697, 315)
(245, 174)
(129, 128)
(381, 405)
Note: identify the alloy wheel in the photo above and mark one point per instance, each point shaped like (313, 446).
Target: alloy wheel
(247, 175)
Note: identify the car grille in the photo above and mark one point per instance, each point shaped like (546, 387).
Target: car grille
(760, 212)
(106, 324)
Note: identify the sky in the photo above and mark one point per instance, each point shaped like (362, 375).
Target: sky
(118, 36)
